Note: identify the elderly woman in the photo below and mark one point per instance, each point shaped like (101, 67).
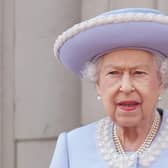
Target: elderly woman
(124, 52)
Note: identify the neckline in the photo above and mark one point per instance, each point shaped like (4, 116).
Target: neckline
(107, 149)
(148, 140)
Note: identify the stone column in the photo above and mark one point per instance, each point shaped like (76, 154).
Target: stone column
(40, 98)
(8, 103)
(47, 96)
(1, 126)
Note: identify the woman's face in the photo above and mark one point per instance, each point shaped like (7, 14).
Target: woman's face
(129, 85)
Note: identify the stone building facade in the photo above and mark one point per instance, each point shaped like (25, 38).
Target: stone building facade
(38, 97)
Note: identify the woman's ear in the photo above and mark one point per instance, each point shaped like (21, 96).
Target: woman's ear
(162, 87)
(98, 88)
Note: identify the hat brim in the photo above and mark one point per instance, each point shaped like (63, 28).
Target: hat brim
(94, 42)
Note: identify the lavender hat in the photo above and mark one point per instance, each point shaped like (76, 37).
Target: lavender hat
(138, 28)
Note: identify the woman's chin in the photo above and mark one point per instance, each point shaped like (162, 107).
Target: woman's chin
(129, 121)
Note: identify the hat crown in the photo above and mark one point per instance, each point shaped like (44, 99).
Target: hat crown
(140, 28)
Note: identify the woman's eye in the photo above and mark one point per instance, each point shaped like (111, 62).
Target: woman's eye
(113, 73)
(139, 73)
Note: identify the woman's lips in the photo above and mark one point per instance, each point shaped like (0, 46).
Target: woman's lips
(128, 105)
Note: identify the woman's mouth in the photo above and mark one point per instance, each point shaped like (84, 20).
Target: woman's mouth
(129, 105)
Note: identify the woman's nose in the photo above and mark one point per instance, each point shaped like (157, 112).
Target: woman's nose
(126, 85)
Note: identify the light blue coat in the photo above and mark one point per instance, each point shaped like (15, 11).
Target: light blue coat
(78, 149)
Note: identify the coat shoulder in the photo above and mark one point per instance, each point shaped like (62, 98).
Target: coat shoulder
(83, 131)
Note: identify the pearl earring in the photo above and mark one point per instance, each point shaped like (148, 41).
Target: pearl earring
(159, 98)
(98, 97)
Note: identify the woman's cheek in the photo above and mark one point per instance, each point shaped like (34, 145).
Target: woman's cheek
(111, 80)
(109, 107)
(110, 86)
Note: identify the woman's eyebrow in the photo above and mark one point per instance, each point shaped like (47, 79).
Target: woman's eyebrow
(144, 66)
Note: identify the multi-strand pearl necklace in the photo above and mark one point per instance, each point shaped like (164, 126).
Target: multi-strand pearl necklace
(148, 140)
(146, 154)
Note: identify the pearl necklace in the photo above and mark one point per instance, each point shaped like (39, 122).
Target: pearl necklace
(106, 146)
(148, 140)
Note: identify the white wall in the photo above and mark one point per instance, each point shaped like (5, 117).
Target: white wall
(34, 154)
(163, 6)
(40, 98)
(133, 3)
(91, 8)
